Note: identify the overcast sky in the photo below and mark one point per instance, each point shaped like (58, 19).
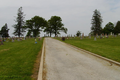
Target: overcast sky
(76, 14)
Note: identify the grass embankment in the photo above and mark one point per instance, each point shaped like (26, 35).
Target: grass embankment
(17, 59)
(107, 47)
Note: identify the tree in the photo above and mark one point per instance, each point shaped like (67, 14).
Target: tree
(55, 23)
(19, 26)
(78, 33)
(35, 24)
(96, 23)
(29, 33)
(117, 28)
(4, 31)
(108, 28)
(48, 29)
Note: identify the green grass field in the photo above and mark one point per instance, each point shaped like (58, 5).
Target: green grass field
(107, 47)
(17, 59)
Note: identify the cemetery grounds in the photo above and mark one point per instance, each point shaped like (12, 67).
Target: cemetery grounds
(106, 47)
(19, 60)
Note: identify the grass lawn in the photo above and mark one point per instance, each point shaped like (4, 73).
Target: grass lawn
(17, 59)
(107, 47)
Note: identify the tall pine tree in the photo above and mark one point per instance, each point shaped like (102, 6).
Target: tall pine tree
(19, 26)
(96, 23)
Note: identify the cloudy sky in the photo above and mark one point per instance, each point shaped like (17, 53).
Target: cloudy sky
(76, 14)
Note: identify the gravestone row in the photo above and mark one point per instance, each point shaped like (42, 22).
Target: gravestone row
(12, 39)
(89, 36)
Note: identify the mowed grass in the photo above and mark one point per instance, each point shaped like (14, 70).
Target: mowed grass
(107, 47)
(17, 59)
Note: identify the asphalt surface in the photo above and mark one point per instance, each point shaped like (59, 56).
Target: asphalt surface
(64, 62)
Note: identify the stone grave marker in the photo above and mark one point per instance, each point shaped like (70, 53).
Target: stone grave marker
(24, 38)
(82, 35)
(111, 33)
(101, 36)
(71, 35)
(74, 36)
(97, 35)
(89, 36)
(12, 39)
(95, 39)
(118, 34)
(18, 39)
(1, 41)
(106, 36)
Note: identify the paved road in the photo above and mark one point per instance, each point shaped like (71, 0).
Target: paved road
(64, 62)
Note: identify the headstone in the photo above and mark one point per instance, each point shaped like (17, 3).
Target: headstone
(12, 40)
(35, 41)
(71, 35)
(82, 35)
(95, 39)
(106, 35)
(119, 34)
(24, 38)
(89, 36)
(39, 38)
(6, 39)
(111, 33)
(101, 36)
(97, 35)
(1, 42)
(18, 39)
(74, 36)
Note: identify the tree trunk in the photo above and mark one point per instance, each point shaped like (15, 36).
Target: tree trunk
(55, 34)
(50, 34)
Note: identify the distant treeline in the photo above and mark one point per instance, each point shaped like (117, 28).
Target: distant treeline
(34, 26)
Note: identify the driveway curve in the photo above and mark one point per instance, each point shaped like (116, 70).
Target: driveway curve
(64, 62)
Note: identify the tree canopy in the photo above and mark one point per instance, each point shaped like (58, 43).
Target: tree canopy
(55, 25)
(4, 31)
(108, 28)
(78, 33)
(96, 23)
(49, 29)
(117, 28)
(35, 25)
(19, 26)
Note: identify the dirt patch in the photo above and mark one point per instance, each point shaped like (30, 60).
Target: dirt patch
(4, 50)
(36, 66)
